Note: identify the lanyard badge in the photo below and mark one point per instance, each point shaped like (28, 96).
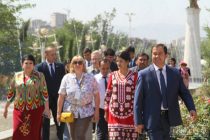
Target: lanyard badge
(79, 86)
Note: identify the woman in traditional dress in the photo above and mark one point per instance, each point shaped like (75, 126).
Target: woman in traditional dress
(119, 101)
(28, 90)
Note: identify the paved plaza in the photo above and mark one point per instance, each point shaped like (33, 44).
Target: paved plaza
(6, 124)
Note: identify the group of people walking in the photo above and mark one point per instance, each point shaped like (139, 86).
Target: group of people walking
(122, 94)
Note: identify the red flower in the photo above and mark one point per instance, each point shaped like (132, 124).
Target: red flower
(208, 101)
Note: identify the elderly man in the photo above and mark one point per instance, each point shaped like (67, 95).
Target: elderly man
(94, 69)
(95, 60)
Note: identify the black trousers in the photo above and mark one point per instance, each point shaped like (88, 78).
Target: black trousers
(102, 127)
(46, 122)
(162, 131)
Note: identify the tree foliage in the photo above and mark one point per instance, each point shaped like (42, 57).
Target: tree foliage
(205, 49)
(75, 35)
(102, 26)
(70, 36)
(205, 46)
(9, 26)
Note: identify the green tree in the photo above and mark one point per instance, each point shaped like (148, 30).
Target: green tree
(205, 49)
(74, 36)
(70, 36)
(102, 26)
(9, 50)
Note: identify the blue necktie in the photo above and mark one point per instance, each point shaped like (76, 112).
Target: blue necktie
(88, 63)
(52, 71)
(131, 64)
(163, 89)
(105, 82)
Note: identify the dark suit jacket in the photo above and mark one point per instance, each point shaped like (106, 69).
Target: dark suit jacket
(53, 85)
(113, 66)
(147, 100)
(132, 64)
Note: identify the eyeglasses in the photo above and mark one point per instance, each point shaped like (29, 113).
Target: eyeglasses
(78, 62)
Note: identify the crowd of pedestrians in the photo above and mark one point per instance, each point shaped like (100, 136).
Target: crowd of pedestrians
(122, 95)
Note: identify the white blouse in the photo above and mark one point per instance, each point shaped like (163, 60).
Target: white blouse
(79, 95)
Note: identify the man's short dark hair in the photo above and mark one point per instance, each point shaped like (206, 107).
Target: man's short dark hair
(162, 46)
(87, 50)
(105, 61)
(173, 59)
(142, 54)
(109, 52)
(131, 49)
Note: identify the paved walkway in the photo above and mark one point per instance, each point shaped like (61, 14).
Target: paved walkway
(6, 124)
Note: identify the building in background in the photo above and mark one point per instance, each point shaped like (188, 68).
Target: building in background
(176, 49)
(38, 24)
(57, 20)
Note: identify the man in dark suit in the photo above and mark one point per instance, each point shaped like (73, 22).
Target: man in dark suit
(131, 51)
(156, 106)
(142, 61)
(53, 73)
(87, 56)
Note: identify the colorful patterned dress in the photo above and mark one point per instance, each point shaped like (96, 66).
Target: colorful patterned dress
(29, 96)
(119, 106)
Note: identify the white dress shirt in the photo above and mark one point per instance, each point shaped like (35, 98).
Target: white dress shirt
(86, 63)
(158, 77)
(101, 84)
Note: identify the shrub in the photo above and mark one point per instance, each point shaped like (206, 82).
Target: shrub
(199, 130)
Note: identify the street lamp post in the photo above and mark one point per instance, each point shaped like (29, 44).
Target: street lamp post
(20, 45)
(43, 34)
(129, 20)
(75, 29)
(57, 48)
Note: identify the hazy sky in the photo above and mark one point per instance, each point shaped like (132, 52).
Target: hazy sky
(163, 20)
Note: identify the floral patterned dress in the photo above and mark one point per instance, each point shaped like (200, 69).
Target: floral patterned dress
(81, 106)
(119, 106)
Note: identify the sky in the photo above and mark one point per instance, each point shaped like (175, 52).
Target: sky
(163, 20)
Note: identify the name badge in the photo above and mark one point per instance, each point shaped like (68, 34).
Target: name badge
(77, 94)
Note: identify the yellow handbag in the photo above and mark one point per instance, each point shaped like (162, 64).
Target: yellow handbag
(67, 117)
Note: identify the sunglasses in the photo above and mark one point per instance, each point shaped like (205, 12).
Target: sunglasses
(78, 62)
